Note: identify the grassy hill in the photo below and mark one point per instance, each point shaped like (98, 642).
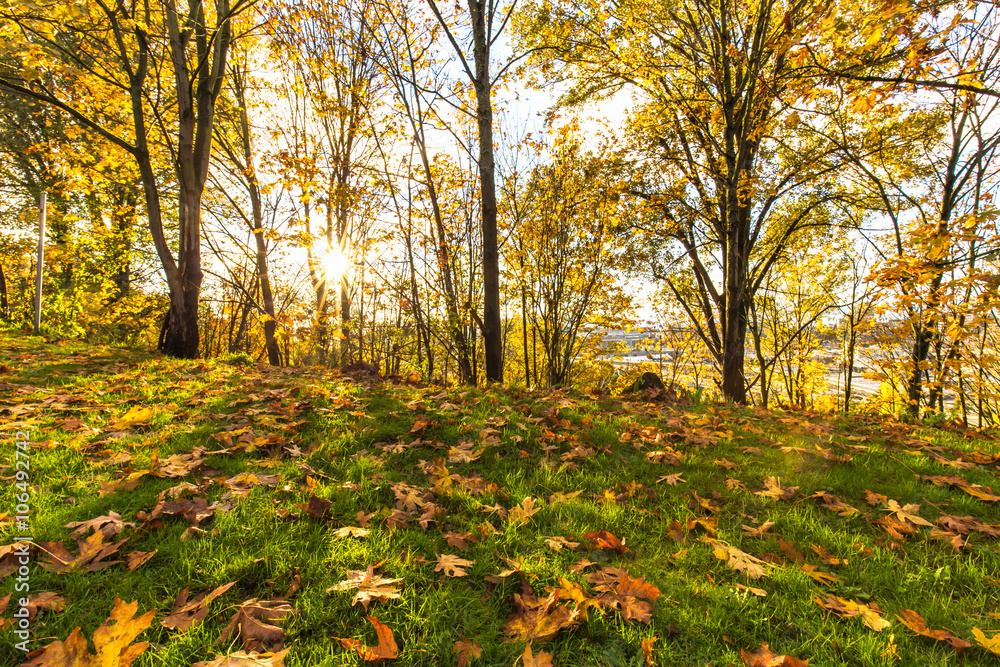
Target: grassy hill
(603, 531)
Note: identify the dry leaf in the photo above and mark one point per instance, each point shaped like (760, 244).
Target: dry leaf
(870, 614)
(242, 659)
(109, 526)
(386, 648)
(185, 615)
(369, 585)
(252, 623)
(913, 621)
(602, 539)
(113, 642)
(739, 560)
(350, 531)
(540, 660)
(452, 565)
(990, 644)
(466, 651)
(763, 657)
(137, 558)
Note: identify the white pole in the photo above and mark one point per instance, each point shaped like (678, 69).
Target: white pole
(41, 259)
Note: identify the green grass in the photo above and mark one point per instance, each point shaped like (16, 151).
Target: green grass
(70, 395)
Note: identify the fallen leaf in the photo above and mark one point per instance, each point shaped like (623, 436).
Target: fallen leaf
(138, 558)
(991, 644)
(672, 479)
(647, 651)
(185, 615)
(113, 642)
(466, 651)
(109, 526)
(759, 531)
(602, 539)
(243, 659)
(556, 543)
(763, 657)
(252, 623)
(870, 614)
(540, 660)
(522, 512)
(452, 565)
(369, 586)
(739, 560)
(913, 621)
(350, 531)
(386, 648)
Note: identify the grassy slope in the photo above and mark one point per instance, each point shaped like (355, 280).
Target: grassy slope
(701, 618)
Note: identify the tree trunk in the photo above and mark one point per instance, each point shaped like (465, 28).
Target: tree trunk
(4, 308)
(493, 344)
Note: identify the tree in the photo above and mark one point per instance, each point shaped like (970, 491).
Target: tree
(730, 168)
(487, 20)
(115, 54)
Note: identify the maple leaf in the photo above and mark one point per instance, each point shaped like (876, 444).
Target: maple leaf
(113, 642)
(528, 659)
(136, 416)
(913, 621)
(452, 565)
(252, 623)
(466, 651)
(369, 586)
(560, 497)
(672, 479)
(459, 541)
(870, 614)
(602, 539)
(109, 526)
(773, 489)
(350, 531)
(625, 593)
(243, 659)
(90, 557)
(538, 620)
(738, 560)
(983, 493)
(763, 657)
(820, 577)
(386, 648)
(759, 531)
(522, 512)
(556, 543)
(177, 465)
(907, 513)
(185, 615)
(315, 507)
(834, 503)
(991, 644)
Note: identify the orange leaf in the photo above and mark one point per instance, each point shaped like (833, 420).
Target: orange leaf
(763, 657)
(386, 648)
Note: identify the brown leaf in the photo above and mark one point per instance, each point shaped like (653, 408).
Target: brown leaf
(90, 555)
(466, 651)
(185, 615)
(350, 531)
(46, 601)
(739, 560)
(790, 551)
(602, 539)
(252, 623)
(759, 531)
(138, 558)
(763, 657)
(913, 621)
(557, 542)
(243, 659)
(647, 651)
(870, 614)
(540, 660)
(522, 512)
(452, 565)
(109, 526)
(113, 642)
(386, 648)
(369, 586)
(316, 507)
(538, 620)
(673, 479)
(773, 489)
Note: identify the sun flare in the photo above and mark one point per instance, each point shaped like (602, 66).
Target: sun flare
(335, 262)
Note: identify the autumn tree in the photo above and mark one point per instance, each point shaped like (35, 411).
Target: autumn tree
(146, 78)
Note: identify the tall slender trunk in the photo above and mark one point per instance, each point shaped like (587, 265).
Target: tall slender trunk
(492, 335)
